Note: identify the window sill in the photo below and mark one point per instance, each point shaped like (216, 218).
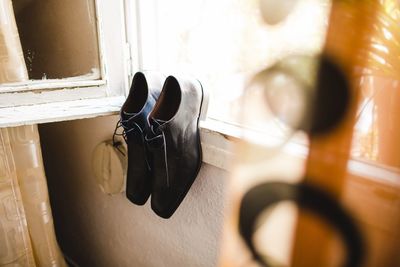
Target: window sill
(218, 138)
(218, 144)
(60, 111)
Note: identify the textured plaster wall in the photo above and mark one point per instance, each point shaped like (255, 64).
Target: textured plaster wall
(101, 230)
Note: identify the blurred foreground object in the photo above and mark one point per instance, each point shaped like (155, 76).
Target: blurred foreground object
(357, 162)
(274, 11)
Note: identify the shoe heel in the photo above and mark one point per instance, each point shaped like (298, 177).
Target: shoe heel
(204, 103)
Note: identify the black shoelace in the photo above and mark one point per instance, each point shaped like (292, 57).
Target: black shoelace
(156, 128)
(127, 127)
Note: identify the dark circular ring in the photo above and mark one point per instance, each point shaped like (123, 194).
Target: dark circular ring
(264, 196)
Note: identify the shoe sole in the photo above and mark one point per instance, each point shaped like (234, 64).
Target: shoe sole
(202, 116)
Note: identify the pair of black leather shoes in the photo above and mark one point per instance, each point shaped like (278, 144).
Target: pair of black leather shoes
(162, 134)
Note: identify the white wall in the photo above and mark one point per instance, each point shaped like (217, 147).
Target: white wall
(100, 230)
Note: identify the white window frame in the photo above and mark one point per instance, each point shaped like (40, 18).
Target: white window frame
(57, 100)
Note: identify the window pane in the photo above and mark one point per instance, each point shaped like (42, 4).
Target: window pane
(59, 38)
(225, 42)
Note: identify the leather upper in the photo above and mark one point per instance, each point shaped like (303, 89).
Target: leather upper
(174, 143)
(142, 97)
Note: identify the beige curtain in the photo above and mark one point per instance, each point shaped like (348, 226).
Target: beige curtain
(27, 236)
(12, 63)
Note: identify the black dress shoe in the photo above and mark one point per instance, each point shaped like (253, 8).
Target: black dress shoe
(174, 143)
(142, 97)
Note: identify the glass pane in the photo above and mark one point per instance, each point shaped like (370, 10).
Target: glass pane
(225, 42)
(59, 38)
